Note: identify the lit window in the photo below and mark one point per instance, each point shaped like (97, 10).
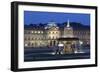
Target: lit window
(41, 31)
(26, 44)
(35, 31)
(50, 32)
(38, 31)
(31, 31)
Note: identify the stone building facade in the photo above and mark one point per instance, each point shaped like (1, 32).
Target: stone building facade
(49, 35)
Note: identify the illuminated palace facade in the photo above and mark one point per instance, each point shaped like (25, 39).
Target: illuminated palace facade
(49, 35)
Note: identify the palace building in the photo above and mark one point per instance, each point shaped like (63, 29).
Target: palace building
(52, 35)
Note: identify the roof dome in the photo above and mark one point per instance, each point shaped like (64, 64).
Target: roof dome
(51, 24)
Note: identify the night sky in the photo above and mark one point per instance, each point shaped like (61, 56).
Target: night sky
(31, 17)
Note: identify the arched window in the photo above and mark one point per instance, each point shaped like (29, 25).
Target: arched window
(53, 32)
(32, 44)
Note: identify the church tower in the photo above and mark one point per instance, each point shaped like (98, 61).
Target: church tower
(68, 30)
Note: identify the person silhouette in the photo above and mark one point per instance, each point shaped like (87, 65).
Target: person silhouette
(59, 48)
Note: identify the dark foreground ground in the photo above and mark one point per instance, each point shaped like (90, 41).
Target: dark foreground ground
(44, 54)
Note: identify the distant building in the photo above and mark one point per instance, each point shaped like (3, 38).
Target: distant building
(49, 35)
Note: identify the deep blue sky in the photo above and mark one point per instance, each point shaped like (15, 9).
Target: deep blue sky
(31, 17)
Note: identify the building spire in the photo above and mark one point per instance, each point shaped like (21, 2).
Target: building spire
(68, 23)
